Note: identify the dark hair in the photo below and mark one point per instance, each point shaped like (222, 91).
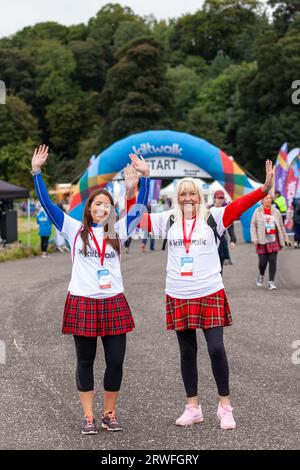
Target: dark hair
(111, 236)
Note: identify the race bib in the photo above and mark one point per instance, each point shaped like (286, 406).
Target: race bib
(186, 266)
(270, 228)
(104, 279)
(270, 237)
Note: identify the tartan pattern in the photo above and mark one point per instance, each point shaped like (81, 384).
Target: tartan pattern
(269, 247)
(84, 316)
(203, 312)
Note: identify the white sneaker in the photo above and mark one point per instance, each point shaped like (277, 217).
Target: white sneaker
(260, 281)
(272, 285)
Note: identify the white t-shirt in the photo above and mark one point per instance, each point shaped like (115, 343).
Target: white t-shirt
(206, 278)
(84, 281)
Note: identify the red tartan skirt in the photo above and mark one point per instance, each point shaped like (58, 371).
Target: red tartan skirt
(202, 312)
(84, 316)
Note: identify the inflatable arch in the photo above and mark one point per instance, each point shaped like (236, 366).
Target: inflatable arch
(164, 144)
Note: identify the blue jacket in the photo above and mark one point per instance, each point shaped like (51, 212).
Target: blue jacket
(45, 225)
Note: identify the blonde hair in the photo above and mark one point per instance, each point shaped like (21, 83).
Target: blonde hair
(189, 184)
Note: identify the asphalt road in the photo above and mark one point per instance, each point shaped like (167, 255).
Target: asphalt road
(39, 406)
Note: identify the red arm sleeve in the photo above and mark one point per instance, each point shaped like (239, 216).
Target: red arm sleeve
(130, 203)
(235, 209)
(145, 223)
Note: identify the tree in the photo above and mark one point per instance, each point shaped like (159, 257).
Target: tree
(15, 163)
(91, 65)
(128, 31)
(55, 68)
(19, 134)
(17, 122)
(204, 125)
(285, 13)
(17, 71)
(104, 25)
(49, 30)
(185, 86)
(215, 28)
(136, 96)
(266, 115)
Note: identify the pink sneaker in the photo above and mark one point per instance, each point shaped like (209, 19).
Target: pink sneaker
(226, 417)
(192, 414)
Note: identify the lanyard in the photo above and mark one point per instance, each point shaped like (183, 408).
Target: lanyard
(101, 253)
(187, 240)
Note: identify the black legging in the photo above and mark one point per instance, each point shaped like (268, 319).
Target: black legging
(187, 340)
(44, 243)
(263, 260)
(114, 350)
(127, 242)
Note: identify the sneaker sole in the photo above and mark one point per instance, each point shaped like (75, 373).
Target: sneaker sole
(194, 421)
(104, 426)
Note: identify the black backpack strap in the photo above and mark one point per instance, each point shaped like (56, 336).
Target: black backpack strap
(213, 225)
(169, 225)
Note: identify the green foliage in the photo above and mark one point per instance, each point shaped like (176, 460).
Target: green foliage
(91, 64)
(106, 22)
(136, 96)
(128, 31)
(285, 14)
(41, 31)
(185, 86)
(17, 122)
(15, 163)
(223, 73)
(17, 71)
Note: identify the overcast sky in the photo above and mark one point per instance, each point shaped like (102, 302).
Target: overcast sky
(15, 14)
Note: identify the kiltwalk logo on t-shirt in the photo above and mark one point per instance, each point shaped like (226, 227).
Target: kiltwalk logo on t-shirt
(179, 242)
(94, 254)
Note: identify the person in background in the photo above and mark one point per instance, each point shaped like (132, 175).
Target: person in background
(269, 236)
(280, 203)
(45, 228)
(61, 243)
(148, 235)
(296, 220)
(219, 201)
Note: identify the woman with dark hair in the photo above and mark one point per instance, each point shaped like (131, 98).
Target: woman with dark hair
(95, 304)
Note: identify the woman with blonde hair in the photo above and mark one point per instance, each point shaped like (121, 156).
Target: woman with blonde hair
(195, 296)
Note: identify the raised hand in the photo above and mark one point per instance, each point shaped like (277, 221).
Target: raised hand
(131, 180)
(39, 157)
(140, 165)
(267, 186)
